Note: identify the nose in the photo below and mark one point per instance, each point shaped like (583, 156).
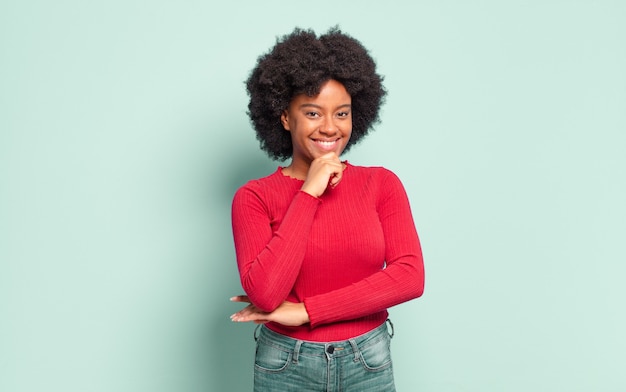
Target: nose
(329, 127)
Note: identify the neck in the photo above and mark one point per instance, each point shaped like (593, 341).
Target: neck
(296, 170)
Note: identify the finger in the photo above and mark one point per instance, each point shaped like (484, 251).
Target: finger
(256, 316)
(245, 312)
(336, 177)
(321, 173)
(240, 298)
(330, 155)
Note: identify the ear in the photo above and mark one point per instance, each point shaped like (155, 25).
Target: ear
(284, 119)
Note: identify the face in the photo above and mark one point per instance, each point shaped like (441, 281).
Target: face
(319, 124)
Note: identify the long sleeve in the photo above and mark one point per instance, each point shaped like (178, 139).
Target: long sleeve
(401, 280)
(348, 255)
(269, 261)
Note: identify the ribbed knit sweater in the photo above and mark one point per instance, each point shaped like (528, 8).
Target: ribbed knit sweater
(348, 255)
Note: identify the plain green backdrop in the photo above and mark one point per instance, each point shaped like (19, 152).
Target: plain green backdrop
(123, 136)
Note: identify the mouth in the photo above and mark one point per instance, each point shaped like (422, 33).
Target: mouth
(326, 145)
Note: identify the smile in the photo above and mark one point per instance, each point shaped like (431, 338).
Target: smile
(326, 144)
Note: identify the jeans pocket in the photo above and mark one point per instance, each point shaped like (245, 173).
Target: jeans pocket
(377, 355)
(271, 359)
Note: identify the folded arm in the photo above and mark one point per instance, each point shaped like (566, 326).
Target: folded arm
(269, 262)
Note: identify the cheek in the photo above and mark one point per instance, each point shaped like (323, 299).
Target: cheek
(348, 129)
(348, 125)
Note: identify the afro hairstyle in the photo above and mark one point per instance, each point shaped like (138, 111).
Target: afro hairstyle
(300, 63)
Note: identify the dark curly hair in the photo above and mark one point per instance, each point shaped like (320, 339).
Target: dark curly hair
(300, 63)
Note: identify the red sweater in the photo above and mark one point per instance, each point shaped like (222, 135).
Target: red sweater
(348, 255)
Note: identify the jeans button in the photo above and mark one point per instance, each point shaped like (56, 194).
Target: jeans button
(330, 349)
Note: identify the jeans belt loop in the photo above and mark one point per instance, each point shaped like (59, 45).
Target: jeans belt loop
(355, 348)
(296, 351)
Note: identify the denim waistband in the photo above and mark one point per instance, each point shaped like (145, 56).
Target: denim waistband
(336, 349)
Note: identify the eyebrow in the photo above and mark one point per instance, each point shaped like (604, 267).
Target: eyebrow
(312, 105)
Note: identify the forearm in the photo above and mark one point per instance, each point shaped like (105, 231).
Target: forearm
(269, 262)
(398, 283)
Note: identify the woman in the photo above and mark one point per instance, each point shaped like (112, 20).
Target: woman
(323, 247)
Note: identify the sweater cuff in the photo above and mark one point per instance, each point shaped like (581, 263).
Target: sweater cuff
(309, 196)
(313, 310)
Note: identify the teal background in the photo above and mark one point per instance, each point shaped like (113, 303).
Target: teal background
(123, 136)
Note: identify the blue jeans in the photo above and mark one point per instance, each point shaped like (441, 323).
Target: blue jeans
(360, 364)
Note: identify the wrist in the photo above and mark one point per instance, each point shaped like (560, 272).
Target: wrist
(305, 313)
(308, 190)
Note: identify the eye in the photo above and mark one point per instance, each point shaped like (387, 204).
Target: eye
(312, 114)
(343, 114)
